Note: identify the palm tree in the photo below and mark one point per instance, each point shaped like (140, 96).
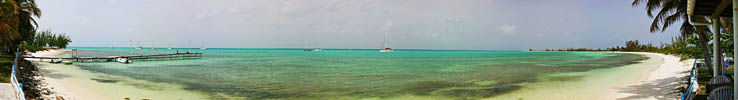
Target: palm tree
(16, 22)
(671, 11)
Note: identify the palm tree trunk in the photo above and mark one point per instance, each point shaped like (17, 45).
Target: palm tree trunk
(705, 48)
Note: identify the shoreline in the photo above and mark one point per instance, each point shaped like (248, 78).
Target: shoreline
(72, 83)
(654, 78)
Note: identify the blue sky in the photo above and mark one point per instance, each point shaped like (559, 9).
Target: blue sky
(411, 24)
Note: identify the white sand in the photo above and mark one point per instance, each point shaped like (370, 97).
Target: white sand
(653, 79)
(73, 83)
(658, 84)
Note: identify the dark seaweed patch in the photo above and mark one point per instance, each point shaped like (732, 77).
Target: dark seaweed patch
(104, 80)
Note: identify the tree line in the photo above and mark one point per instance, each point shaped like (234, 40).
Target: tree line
(18, 25)
(47, 39)
(685, 47)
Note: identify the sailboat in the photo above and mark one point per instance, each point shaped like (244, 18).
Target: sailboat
(139, 46)
(304, 46)
(386, 48)
(308, 49)
(202, 47)
(170, 46)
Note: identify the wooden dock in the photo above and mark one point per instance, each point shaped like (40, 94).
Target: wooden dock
(155, 57)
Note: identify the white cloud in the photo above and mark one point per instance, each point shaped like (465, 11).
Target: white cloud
(506, 29)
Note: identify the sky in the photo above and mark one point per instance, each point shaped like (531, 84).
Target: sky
(409, 24)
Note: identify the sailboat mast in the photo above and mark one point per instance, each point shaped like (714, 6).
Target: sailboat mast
(131, 53)
(304, 46)
(384, 43)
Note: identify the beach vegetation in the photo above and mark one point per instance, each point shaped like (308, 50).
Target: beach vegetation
(668, 12)
(47, 39)
(17, 29)
(685, 47)
(5, 60)
(17, 23)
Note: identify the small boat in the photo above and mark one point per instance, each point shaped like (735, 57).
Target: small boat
(308, 50)
(153, 48)
(139, 48)
(58, 60)
(203, 48)
(317, 49)
(170, 48)
(67, 62)
(123, 60)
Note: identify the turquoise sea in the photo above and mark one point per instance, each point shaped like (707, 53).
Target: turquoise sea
(245, 73)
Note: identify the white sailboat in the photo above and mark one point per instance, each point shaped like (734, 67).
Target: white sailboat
(152, 46)
(202, 47)
(139, 46)
(384, 46)
(304, 46)
(170, 46)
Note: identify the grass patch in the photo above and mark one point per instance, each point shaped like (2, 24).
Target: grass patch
(6, 63)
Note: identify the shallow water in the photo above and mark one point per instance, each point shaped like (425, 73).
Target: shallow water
(354, 74)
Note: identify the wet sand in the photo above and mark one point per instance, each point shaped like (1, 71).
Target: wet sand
(73, 83)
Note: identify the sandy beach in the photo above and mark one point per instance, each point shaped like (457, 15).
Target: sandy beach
(72, 83)
(653, 79)
(657, 83)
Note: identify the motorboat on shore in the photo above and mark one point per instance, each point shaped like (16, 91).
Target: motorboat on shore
(123, 60)
(67, 62)
(58, 60)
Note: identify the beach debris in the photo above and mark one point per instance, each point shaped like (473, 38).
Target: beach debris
(59, 98)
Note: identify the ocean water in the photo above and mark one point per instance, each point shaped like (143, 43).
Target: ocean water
(353, 74)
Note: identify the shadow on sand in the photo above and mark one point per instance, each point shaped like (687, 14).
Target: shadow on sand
(661, 89)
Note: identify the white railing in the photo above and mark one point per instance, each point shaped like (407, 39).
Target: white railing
(14, 80)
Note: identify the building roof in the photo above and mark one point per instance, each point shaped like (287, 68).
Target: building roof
(708, 7)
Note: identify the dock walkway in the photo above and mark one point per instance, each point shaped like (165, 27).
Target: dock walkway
(172, 56)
